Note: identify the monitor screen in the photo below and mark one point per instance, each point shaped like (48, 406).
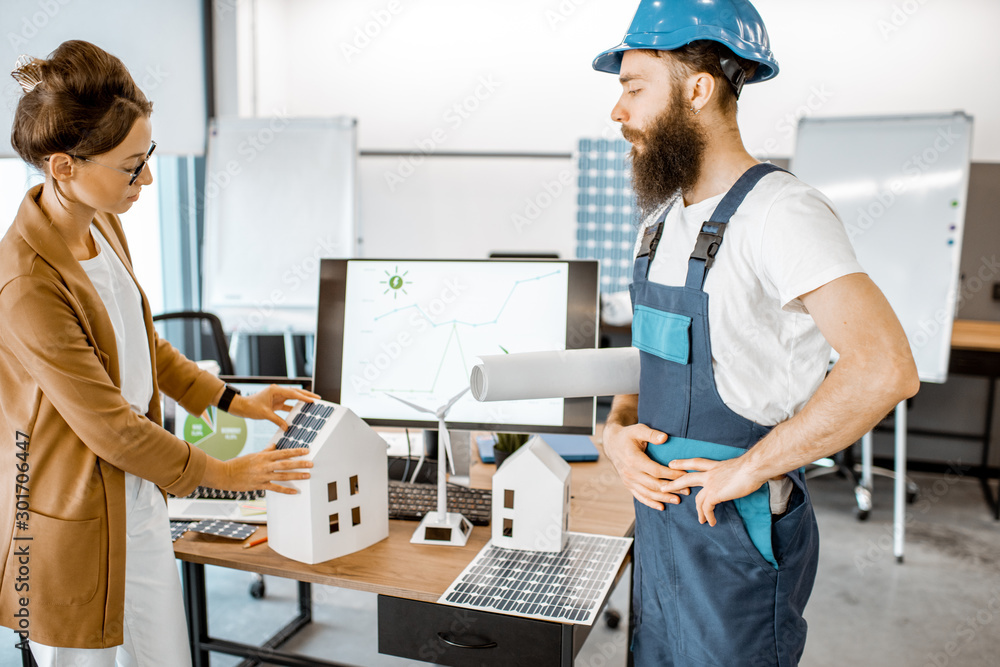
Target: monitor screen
(412, 329)
(221, 434)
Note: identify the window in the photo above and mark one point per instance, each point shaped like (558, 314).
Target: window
(331, 492)
(508, 498)
(355, 516)
(141, 224)
(16, 178)
(142, 229)
(334, 523)
(508, 528)
(354, 485)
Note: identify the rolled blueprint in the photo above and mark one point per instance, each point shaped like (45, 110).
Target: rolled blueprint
(563, 374)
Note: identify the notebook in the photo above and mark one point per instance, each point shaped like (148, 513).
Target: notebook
(224, 436)
(571, 447)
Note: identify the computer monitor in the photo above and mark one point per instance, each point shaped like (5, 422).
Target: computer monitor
(411, 329)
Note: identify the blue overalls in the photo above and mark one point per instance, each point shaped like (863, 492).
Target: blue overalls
(731, 595)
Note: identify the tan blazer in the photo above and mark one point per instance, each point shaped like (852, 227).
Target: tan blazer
(60, 394)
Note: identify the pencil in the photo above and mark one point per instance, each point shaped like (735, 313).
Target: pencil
(254, 543)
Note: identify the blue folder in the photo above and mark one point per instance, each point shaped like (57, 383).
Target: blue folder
(571, 447)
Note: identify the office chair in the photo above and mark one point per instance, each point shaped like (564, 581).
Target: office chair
(179, 329)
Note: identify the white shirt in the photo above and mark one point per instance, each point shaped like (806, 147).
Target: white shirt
(124, 305)
(784, 240)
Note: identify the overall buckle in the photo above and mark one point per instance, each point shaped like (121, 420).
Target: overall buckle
(650, 239)
(708, 243)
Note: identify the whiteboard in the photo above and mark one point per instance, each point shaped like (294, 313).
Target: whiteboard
(899, 184)
(280, 194)
(467, 206)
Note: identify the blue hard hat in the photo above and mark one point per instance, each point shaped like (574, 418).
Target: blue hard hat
(665, 25)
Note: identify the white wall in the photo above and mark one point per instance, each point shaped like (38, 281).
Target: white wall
(848, 57)
(515, 75)
(159, 42)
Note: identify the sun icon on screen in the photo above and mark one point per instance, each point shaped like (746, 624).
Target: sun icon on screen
(395, 282)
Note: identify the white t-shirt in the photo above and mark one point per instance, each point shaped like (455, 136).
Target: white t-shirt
(124, 305)
(784, 240)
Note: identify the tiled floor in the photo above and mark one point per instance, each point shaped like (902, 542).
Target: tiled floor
(941, 608)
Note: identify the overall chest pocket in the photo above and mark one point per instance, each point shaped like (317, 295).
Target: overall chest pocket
(665, 335)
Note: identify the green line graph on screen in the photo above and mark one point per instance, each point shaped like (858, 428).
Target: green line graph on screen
(416, 328)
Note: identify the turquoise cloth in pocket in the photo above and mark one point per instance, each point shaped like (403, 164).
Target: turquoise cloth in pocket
(754, 510)
(666, 335)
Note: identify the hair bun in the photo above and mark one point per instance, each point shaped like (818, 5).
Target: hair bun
(27, 72)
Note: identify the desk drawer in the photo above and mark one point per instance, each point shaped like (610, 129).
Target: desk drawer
(422, 631)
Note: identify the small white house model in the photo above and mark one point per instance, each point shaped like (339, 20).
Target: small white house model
(343, 506)
(531, 499)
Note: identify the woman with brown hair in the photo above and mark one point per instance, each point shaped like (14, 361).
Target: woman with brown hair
(88, 573)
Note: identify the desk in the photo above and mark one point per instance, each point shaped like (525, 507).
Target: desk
(600, 504)
(975, 350)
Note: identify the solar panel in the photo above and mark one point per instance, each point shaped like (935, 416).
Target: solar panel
(305, 425)
(566, 586)
(606, 226)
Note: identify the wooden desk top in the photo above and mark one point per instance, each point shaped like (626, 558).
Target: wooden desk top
(600, 504)
(976, 335)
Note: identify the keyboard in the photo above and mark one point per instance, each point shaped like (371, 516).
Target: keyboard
(411, 501)
(206, 493)
(206, 503)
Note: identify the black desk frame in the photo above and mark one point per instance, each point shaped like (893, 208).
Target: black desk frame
(993, 500)
(196, 607)
(985, 364)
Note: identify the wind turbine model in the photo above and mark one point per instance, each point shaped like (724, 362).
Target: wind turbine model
(442, 526)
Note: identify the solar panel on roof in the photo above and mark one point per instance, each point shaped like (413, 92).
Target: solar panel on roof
(306, 424)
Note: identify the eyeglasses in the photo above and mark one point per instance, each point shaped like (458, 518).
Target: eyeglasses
(134, 173)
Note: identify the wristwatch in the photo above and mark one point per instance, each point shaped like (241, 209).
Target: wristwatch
(228, 394)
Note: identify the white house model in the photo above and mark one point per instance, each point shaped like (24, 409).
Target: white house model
(531, 499)
(343, 506)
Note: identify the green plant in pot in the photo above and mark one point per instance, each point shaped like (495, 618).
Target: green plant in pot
(506, 444)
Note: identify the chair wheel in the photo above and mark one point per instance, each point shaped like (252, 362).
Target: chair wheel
(257, 589)
(911, 497)
(863, 498)
(612, 619)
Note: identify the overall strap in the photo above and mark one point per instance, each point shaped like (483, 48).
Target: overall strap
(647, 248)
(710, 236)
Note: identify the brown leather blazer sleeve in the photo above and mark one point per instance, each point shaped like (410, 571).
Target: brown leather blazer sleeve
(42, 328)
(180, 378)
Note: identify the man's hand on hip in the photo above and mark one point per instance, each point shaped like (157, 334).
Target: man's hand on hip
(720, 481)
(644, 477)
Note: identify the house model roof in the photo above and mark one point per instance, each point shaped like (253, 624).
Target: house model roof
(537, 449)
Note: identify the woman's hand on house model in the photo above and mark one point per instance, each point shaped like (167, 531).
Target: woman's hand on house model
(266, 402)
(258, 471)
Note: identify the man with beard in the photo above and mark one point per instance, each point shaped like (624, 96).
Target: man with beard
(734, 342)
